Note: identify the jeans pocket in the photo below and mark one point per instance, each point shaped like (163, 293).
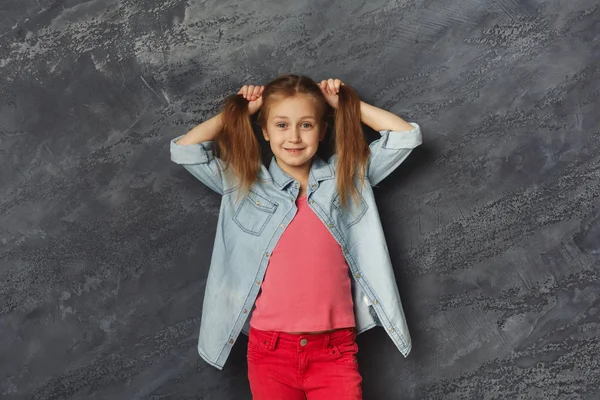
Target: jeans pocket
(257, 347)
(256, 353)
(344, 353)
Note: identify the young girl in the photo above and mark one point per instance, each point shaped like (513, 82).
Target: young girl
(300, 262)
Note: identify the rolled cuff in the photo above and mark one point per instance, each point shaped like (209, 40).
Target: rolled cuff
(200, 153)
(402, 139)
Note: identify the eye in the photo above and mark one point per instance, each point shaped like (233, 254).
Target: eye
(279, 124)
(307, 123)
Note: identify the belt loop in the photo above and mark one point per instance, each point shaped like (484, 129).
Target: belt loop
(273, 342)
(326, 341)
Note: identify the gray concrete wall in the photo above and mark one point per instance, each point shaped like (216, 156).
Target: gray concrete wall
(493, 224)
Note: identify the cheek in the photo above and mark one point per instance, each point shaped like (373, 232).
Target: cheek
(312, 139)
(276, 140)
(275, 144)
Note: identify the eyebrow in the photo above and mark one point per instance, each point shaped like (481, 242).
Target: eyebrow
(305, 117)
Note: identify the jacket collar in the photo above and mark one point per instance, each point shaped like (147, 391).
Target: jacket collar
(319, 171)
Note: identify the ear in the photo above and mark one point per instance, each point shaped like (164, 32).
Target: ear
(323, 130)
(265, 134)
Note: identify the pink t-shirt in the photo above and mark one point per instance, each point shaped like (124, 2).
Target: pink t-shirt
(306, 286)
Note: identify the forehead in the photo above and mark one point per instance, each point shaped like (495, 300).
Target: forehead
(294, 107)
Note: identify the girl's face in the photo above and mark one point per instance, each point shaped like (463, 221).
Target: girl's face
(294, 133)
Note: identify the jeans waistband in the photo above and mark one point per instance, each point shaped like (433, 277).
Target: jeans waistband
(272, 339)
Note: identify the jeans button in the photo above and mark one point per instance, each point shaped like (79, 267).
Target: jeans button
(303, 342)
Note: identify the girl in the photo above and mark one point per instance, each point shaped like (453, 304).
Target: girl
(300, 262)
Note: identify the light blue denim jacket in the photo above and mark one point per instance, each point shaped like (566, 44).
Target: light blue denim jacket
(249, 227)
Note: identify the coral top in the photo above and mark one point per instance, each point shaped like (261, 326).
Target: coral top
(306, 286)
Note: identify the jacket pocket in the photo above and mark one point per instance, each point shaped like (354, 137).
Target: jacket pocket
(254, 212)
(354, 210)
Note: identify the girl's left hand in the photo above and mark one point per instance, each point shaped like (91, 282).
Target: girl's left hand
(254, 96)
(330, 89)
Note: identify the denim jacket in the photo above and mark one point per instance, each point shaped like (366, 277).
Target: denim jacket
(249, 227)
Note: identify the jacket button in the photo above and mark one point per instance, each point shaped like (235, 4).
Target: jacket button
(312, 202)
(374, 301)
(245, 311)
(331, 225)
(257, 282)
(258, 203)
(357, 276)
(230, 341)
(391, 329)
(267, 254)
(314, 185)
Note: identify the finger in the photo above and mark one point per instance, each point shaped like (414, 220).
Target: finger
(326, 86)
(243, 90)
(330, 85)
(256, 91)
(337, 83)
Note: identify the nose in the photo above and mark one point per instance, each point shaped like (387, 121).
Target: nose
(294, 135)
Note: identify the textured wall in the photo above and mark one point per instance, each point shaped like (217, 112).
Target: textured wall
(492, 224)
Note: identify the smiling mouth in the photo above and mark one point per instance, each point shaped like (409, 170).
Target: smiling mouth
(293, 150)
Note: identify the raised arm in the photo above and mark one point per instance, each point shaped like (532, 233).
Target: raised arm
(380, 120)
(398, 139)
(194, 150)
(205, 132)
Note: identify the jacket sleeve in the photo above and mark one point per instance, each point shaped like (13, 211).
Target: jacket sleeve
(390, 150)
(198, 159)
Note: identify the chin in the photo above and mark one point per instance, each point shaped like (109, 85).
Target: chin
(295, 162)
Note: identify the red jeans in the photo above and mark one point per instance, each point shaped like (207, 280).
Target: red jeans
(284, 366)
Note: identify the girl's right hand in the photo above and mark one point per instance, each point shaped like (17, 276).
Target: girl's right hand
(254, 95)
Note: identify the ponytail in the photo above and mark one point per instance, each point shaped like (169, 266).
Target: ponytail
(237, 145)
(350, 145)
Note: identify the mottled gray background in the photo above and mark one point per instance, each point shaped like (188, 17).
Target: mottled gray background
(493, 224)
